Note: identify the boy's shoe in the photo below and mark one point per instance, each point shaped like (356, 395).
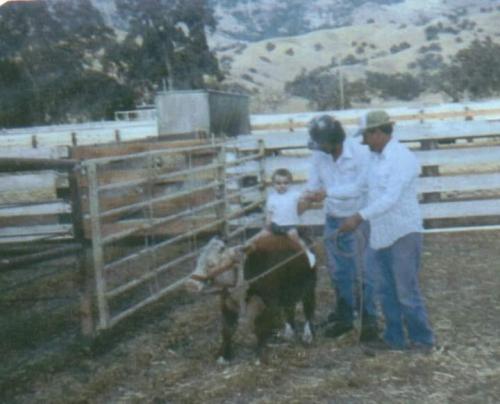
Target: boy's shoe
(311, 257)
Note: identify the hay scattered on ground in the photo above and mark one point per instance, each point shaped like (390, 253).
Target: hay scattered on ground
(172, 358)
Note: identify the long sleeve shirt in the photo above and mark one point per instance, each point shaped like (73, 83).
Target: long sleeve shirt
(343, 179)
(392, 207)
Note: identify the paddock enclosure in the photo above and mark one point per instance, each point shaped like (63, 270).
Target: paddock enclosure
(96, 237)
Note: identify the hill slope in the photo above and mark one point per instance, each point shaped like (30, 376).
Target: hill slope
(398, 38)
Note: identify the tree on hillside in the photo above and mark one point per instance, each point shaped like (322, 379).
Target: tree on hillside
(49, 64)
(473, 71)
(321, 88)
(165, 44)
(401, 86)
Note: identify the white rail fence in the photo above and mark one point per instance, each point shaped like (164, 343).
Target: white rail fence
(460, 182)
(117, 131)
(484, 110)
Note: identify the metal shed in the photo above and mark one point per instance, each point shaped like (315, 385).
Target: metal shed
(181, 112)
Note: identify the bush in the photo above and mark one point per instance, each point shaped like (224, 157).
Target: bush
(270, 46)
(402, 86)
(320, 88)
(401, 47)
(350, 60)
(474, 71)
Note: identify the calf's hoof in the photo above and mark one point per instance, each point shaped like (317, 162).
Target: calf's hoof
(222, 361)
(307, 337)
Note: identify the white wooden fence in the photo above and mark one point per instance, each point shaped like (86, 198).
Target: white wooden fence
(116, 131)
(484, 110)
(469, 167)
(466, 171)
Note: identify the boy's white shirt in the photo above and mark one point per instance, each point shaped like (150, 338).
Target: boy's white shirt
(282, 208)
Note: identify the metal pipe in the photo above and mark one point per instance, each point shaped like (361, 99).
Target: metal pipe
(139, 205)
(107, 160)
(8, 264)
(136, 282)
(10, 164)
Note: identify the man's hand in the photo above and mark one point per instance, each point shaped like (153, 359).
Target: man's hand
(315, 196)
(351, 223)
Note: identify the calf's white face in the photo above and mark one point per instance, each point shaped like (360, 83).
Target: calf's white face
(208, 260)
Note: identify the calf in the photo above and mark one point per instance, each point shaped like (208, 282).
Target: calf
(275, 275)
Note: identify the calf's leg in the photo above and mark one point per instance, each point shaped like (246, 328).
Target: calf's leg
(288, 332)
(230, 313)
(309, 305)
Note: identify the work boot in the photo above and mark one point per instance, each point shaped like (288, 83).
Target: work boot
(369, 329)
(342, 320)
(338, 329)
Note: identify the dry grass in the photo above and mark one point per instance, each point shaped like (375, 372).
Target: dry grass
(170, 358)
(266, 71)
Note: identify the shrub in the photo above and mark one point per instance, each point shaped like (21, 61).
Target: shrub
(350, 60)
(401, 47)
(270, 46)
(402, 86)
(474, 71)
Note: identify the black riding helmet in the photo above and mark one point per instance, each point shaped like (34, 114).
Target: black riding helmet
(325, 130)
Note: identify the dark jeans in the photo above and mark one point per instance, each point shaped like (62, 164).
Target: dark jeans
(345, 260)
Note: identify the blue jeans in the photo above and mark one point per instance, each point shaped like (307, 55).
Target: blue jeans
(344, 261)
(402, 302)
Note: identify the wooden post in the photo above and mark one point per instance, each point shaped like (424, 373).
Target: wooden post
(74, 139)
(84, 274)
(117, 136)
(34, 141)
(97, 246)
(262, 168)
(430, 171)
(222, 190)
(150, 238)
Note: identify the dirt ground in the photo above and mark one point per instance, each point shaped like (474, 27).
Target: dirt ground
(170, 357)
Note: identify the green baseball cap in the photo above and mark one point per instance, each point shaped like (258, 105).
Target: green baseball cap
(377, 118)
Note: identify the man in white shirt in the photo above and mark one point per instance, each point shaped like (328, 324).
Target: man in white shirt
(337, 175)
(396, 233)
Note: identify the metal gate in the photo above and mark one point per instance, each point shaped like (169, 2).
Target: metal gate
(149, 213)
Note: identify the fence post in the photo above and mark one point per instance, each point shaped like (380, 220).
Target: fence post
(150, 238)
(430, 171)
(222, 189)
(262, 168)
(97, 247)
(84, 278)
(117, 136)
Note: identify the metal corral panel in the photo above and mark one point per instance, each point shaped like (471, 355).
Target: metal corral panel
(202, 111)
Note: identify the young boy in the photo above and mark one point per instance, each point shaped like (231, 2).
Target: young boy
(283, 208)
